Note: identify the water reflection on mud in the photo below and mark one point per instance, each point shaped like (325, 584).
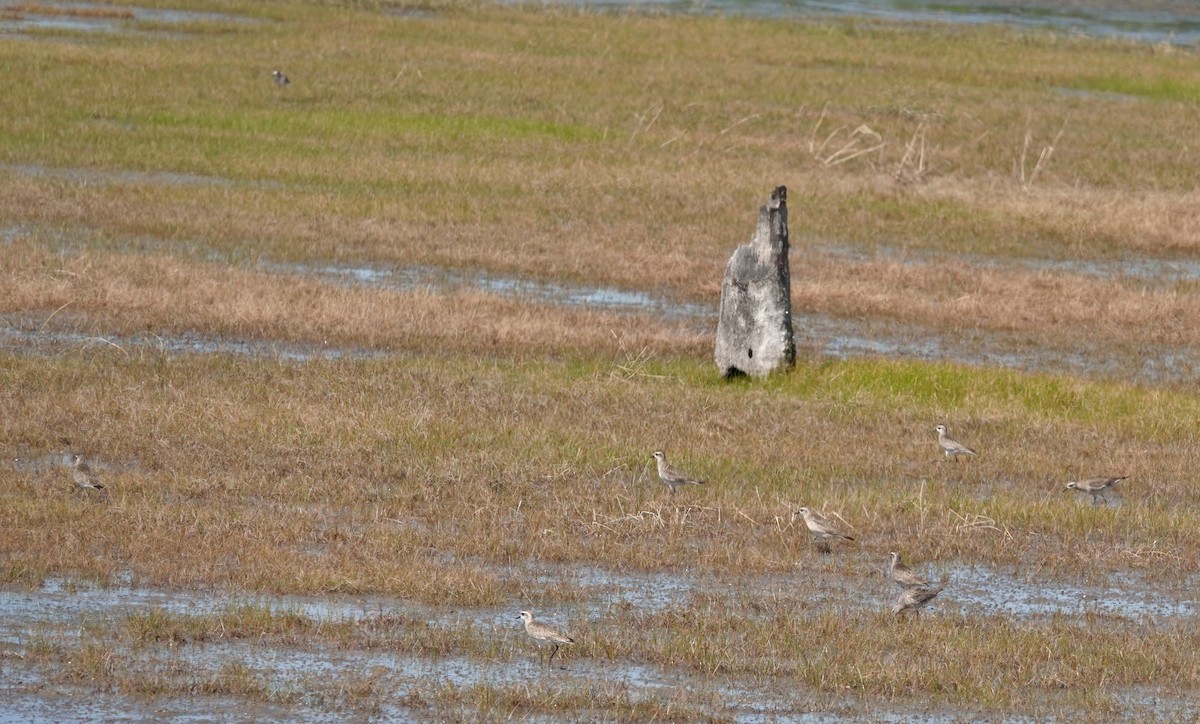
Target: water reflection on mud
(1155, 22)
(28, 20)
(310, 679)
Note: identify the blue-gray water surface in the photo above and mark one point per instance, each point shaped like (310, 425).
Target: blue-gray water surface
(1177, 23)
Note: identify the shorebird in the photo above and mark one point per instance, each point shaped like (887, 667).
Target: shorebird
(914, 599)
(821, 529)
(670, 475)
(902, 574)
(82, 474)
(545, 633)
(951, 447)
(1098, 487)
(280, 79)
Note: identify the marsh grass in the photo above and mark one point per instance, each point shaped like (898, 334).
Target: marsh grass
(247, 621)
(604, 699)
(374, 476)
(167, 295)
(445, 157)
(502, 437)
(786, 641)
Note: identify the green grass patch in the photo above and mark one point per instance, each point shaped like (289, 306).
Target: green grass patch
(1176, 90)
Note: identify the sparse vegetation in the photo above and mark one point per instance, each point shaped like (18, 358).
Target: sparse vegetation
(155, 181)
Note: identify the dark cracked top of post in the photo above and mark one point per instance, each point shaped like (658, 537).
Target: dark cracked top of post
(754, 333)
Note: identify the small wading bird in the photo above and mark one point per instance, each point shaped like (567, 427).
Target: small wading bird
(1098, 487)
(280, 79)
(544, 633)
(821, 529)
(951, 448)
(914, 599)
(902, 574)
(82, 474)
(670, 475)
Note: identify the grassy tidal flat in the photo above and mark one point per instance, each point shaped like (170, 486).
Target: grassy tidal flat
(369, 363)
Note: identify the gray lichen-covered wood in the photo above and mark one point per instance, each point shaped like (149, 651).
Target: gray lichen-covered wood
(754, 334)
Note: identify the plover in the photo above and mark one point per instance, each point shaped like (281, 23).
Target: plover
(914, 599)
(544, 633)
(670, 475)
(82, 474)
(951, 447)
(280, 79)
(902, 574)
(822, 531)
(1098, 487)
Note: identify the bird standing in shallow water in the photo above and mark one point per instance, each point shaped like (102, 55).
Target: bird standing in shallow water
(951, 448)
(1098, 487)
(902, 574)
(671, 475)
(545, 633)
(914, 599)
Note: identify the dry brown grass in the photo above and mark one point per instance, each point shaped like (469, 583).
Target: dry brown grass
(444, 156)
(1050, 307)
(118, 294)
(107, 293)
(415, 475)
(502, 436)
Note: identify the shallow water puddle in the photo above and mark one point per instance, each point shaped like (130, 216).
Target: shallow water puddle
(825, 335)
(855, 581)
(1142, 269)
(816, 334)
(18, 18)
(72, 614)
(976, 588)
(1122, 21)
(34, 703)
(92, 176)
(442, 280)
(51, 342)
(60, 601)
(321, 674)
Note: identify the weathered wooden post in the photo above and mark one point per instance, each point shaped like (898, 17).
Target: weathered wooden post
(754, 333)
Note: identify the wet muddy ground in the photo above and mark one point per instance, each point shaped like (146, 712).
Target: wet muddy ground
(816, 334)
(1162, 21)
(311, 679)
(1150, 22)
(27, 19)
(327, 682)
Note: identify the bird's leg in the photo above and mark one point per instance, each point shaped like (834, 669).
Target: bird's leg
(552, 653)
